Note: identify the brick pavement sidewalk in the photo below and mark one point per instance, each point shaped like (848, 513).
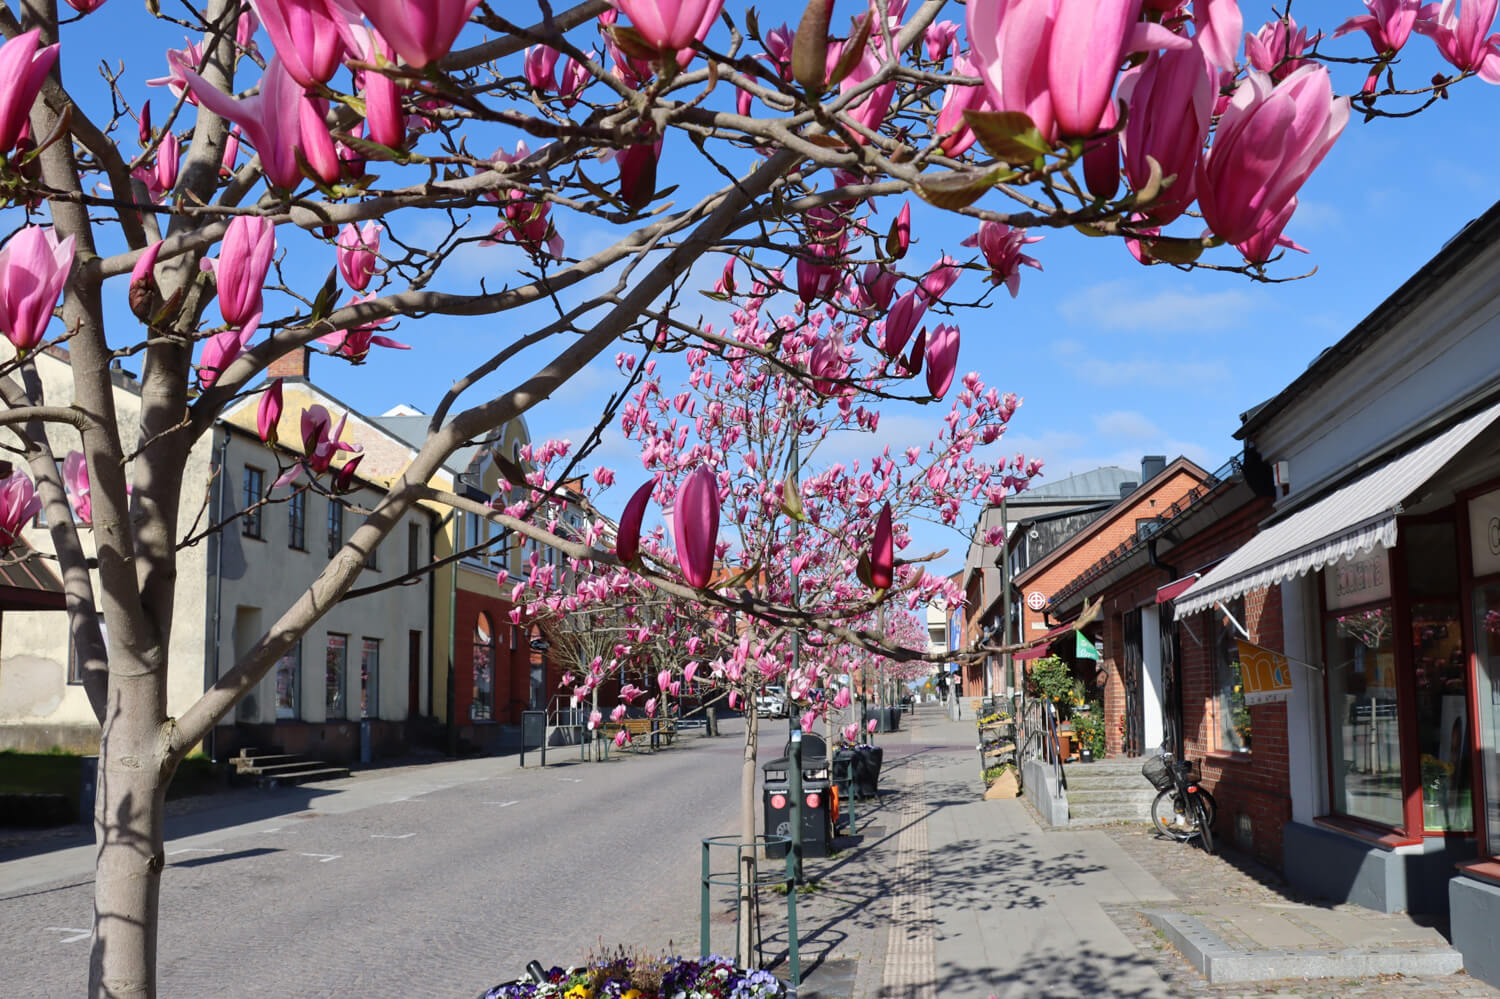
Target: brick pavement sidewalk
(1230, 881)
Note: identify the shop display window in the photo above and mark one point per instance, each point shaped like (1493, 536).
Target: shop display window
(1487, 652)
(1229, 691)
(1363, 720)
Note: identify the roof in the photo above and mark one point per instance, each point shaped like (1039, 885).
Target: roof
(1458, 252)
(27, 583)
(1095, 484)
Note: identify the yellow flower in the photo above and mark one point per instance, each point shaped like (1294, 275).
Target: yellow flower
(579, 992)
(632, 994)
(1236, 688)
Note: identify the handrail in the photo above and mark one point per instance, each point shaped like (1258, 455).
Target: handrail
(1039, 722)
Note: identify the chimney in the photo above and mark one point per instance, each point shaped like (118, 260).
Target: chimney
(1126, 488)
(290, 365)
(1152, 465)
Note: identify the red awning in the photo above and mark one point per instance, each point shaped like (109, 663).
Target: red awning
(1035, 652)
(1172, 589)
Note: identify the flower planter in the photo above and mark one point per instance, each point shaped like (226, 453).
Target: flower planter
(642, 977)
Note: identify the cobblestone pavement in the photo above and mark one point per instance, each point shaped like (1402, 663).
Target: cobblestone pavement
(1198, 878)
(441, 889)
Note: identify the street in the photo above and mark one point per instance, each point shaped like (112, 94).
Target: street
(439, 880)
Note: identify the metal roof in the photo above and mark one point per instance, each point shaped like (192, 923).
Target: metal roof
(1095, 484)
(27, 582)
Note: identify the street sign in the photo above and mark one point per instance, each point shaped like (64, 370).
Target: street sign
(1036, 600)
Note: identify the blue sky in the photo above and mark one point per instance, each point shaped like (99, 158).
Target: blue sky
(1114, 360)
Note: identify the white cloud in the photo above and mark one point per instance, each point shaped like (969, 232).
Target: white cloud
(1126, 423)
(1183, 375)
(1120, 305)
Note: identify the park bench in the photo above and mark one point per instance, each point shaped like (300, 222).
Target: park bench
(640, 729)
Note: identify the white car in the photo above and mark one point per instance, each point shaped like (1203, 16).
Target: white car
(771, 702)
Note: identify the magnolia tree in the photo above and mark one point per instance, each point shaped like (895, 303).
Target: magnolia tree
(354, 138)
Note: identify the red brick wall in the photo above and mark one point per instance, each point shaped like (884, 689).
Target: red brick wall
(510, 666)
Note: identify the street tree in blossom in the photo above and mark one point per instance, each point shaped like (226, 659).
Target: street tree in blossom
(376, 141)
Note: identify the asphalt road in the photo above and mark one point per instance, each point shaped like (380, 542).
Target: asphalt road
(438, 880)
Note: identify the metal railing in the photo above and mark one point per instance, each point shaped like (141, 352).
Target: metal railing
(1039, 722)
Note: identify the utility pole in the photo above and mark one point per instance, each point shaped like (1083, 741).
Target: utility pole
(1008, 663)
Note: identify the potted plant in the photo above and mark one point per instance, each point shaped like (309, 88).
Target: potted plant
(622, 975)
(1088, 726)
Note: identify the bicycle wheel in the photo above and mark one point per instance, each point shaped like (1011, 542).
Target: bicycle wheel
(1201, 819)
(1168, 816)
(1209, 804)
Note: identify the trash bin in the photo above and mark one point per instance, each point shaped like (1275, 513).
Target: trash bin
(817, 806)
(867, 761)
(893, 719)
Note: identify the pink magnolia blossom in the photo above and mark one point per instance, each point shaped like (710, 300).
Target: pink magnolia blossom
(696, 516)
(420, 31)
(670, 25)
(595, 719)
(842, 698)
(902, 321)
(221, 349)
(870, 110)
(240, 269)
(359, 253)
(316, 142)
(1462, 35)
(939, 39)
(1001, 246)
(1218, 26)
(1268, 142)
(942, 359)
(385, 122)
(231, 153)
(523, 219)
(1388, 24)
(272, 119)
(954, 135)
(882, 551)
(180, 62)
(1268, 238)
(637, 164)
(76, 485)
(306, 34)
(628, 538)
(539, 66)
(320, 445)
(161, 176)
(23, 68)
(871, 725)
(808, 720)
(354, 343)
(85, 6)
(827, 365)
(18, 504)
(34, 267)
(851, 731)
(1275, 48)
(1170, 98)
(268, 413)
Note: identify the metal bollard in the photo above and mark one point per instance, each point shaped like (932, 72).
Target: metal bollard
(794, 791)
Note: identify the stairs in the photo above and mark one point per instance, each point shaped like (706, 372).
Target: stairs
(1108, 791)
(273, 769)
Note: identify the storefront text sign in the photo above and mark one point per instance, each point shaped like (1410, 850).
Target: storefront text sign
(1265, 674)
(1360, 580)
(1484, 532)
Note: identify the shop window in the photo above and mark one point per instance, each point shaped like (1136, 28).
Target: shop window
(335, 526)
(369, 678)
(1440, 670)
(1230, 710)
(289, 683)
(482, 708)
(1487, 652)
(1362, 717)
(335, 664)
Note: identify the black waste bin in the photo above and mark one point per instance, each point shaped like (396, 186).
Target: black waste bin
(867, 761)
(817, 806)
(892, 719)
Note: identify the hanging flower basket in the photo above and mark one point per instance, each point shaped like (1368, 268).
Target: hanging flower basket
(623, 977)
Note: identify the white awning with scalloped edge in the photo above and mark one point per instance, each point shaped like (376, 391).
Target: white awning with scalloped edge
(1348, 521)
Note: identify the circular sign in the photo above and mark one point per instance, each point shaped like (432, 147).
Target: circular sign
(1036, 600)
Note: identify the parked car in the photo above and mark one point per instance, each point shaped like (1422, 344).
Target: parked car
(771, 702)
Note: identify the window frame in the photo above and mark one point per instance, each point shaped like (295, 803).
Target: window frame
(1223, 707)
(295, 654)
(486, 713)
(296, 520)
(252, 523)
(75, 671)
(341, 701)
(334, 526)
(369, 681)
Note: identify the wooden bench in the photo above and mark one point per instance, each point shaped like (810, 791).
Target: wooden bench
(640, 728)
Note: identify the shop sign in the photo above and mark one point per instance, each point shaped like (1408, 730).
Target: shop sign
(1036, 600)
(1484, 532)
(1265, 674)
(1363, 579)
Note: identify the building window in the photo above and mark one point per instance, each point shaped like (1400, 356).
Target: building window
(296, 521)
(1360, 652)
(289, 683)
(1487, 652)
(335, 526)
(75, 665)
(1441, 668)
(1233, 714)
(254, 487)
(369, 678)
(474, 530)
(413, 546)
(482, 708)
(336, 663)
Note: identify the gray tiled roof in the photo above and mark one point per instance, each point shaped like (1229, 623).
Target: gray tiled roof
(1095, 484)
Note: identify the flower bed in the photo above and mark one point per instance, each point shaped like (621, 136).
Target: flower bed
(623, 977)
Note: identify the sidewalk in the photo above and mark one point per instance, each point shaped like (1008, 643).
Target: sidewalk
(947, 894)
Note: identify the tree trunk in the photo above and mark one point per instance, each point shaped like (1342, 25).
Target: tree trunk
(128, 826)
(748, 856)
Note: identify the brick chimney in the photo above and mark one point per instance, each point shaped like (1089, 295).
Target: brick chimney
(290, 365)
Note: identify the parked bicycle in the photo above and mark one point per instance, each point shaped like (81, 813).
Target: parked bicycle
(1183, 808)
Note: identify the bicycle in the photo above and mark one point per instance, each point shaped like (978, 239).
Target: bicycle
(1183, 808)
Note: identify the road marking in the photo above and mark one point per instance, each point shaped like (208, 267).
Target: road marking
(77, 933)
(273, 829)
(384, 836)
(323, 857)
(195, 849)
(502, 804)
(575, 780)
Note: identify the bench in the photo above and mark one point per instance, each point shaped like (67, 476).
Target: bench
(640, 728)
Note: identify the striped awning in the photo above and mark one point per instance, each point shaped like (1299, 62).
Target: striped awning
(1347, 522)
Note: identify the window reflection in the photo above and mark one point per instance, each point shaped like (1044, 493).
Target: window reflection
(1362, 715)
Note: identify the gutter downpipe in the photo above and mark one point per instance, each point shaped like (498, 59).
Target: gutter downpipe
(451, 685)
(210, 678)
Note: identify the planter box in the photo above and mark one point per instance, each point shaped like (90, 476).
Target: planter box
(1004, 786)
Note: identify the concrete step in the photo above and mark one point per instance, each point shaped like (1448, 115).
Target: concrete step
(252, 764)
(317, 771)
(250, 751)
(291, 765)
(1121, 795)
(1114, 811)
